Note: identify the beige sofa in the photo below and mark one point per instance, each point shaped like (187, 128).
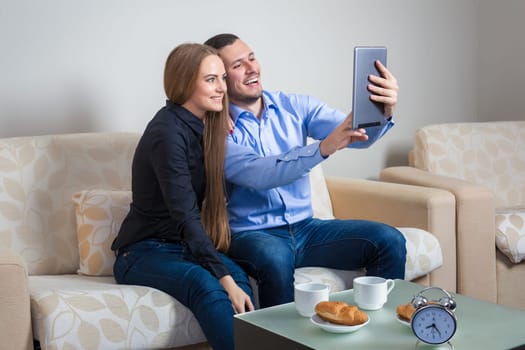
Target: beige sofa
(483, 166)
(62, 199)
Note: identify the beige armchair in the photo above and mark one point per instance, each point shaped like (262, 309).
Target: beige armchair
(483, 166)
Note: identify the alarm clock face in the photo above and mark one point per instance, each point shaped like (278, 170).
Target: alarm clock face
(433, 324)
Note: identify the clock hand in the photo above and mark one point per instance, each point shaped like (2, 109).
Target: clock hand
(433, 325)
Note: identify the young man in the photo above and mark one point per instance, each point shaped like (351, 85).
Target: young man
(266, 167)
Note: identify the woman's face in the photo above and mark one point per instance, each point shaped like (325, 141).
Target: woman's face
(210, 88)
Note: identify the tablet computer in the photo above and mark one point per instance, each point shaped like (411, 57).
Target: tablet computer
(366, 113)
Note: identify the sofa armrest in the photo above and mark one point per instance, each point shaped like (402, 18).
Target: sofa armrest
(15, 317)
(401, 206)
(475, 228)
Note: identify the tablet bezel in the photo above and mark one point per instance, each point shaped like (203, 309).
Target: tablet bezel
(365, 112)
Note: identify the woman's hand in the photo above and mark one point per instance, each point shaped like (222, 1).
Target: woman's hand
(241, 301)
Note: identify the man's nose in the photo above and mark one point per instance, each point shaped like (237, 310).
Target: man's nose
(249, 67)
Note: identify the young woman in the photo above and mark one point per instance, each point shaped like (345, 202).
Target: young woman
(176, 232)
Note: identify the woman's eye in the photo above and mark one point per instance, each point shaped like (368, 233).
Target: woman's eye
(210, 80)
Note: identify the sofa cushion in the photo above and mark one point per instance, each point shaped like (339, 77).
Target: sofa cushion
(423, 252)
(85, 312)
(99, 215)
(88, 312)
(321, 203)
(510, 233)
(338, 280)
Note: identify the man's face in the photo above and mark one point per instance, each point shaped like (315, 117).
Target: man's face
(243, 73)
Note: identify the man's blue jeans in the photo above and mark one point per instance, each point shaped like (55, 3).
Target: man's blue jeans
(271, 255)
(171, 268)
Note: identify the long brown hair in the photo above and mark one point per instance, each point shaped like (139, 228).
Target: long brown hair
(180, 76)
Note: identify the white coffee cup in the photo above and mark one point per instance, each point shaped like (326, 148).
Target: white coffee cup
(307, 295)
(371, 293)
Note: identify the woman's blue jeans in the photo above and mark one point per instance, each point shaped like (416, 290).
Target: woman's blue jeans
(171, 268)
(270, 256)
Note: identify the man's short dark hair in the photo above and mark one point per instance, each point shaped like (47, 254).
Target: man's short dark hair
(221, 40)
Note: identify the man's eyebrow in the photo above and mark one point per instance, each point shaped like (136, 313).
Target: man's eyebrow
(251, 54)
(235, 61)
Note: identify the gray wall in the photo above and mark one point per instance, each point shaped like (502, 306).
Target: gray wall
(501, 91)
(79, 66)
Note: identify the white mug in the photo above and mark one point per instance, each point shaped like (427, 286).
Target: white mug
(371, 293)
(307, 295)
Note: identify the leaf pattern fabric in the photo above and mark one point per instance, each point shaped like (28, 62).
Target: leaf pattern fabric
(89, 312)
(38, 176)
(510, 233)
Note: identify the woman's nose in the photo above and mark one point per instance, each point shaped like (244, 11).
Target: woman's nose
(221, 86)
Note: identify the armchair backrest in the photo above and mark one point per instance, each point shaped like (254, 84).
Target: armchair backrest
(491, 154)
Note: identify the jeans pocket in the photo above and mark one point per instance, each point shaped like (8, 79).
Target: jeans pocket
(123, 263)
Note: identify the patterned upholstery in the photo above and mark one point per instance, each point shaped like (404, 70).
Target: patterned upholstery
(38, 175)
(483, 153)
(488, 154)
(79, 312)
(63, 234)
(99, 215)
(510, 233)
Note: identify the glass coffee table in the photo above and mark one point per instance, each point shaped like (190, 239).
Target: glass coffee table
(481, 325)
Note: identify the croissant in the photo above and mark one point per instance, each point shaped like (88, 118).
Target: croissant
(405, 311)
(339, 312)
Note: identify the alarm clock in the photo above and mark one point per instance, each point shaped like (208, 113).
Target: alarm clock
(434, 321)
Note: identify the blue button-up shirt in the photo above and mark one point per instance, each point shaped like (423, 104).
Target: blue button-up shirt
(268, 159)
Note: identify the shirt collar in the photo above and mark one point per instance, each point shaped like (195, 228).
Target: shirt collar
(236, 111)
(187, 117)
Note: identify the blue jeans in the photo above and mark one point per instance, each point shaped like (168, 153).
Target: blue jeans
(171, 268)
(270, 256)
